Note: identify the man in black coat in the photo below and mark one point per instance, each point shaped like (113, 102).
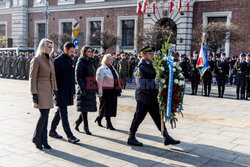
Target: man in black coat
(65, 78)
(248, 77)
(194, 73)
(184, 66)
(222, 72)
(146, 97)
(208, 75)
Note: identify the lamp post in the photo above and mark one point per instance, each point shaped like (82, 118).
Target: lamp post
(46, 14)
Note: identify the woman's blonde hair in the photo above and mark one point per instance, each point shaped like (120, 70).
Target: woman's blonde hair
(41, 47)
(105, 58)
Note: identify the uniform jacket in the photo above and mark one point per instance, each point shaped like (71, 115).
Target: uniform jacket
(86, 82)
(194, 72)
(221, 69)
(241, 69)
(146, 90)
(42, 81)
(105, 78)
(65, 78)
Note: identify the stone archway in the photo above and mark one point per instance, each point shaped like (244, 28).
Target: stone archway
(170, 25)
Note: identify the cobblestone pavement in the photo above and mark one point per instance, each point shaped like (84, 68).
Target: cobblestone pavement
(214, 132)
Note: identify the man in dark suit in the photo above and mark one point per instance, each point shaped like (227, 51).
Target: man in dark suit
(146, 98)
(208, 75)
(65, 78)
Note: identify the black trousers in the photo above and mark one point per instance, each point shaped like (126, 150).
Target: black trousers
(61, 113)
(141, 112)
(241, 84)
(40, 134)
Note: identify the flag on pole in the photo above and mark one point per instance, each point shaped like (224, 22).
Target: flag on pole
(188, 3)
(138, 9)
(202, 61)
(144, 6)
(179, 5)
(154, 7)
(171, 6)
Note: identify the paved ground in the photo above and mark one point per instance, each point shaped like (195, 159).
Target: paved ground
(213, 131)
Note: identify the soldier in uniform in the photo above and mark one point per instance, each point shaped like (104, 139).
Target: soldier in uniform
(0, 63)
(4, 58)
(222, 72)
(240, 70)
(147, 98)
(248, 77)
(8, 65)
(194, 73)
(115, 61)
(184, 65)
(27, 65)
(132, 65)
(14, 65)
(208, 76)
(21, 66)
(123, 69)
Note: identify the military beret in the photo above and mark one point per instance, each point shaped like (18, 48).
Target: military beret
(196, 52)
(242, 55)
(146, 49)
(223, 54)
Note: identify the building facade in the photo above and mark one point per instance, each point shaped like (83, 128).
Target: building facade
(24, 20)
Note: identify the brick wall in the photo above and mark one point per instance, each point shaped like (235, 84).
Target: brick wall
(240, 17)
(8, 19)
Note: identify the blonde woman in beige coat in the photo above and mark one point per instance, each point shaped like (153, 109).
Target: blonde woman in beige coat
(42, 86)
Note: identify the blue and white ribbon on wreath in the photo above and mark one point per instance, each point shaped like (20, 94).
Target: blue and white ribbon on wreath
(180, 107)
(170, 87)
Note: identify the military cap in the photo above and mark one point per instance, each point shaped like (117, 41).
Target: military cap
(146, 49)
(223, 54)
(210, 54)
(196, 52)
(242, 55)
(248, 54)
(182, 55)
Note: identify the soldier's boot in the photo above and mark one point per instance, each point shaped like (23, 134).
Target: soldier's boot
(219, 91)
(222, 91)
(168, 139)
(133, 141)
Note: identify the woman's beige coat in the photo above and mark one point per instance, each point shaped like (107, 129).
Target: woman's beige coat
(43, 81)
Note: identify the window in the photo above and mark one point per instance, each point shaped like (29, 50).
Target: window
(40, 31)
(67, 28)
(217, 19)
(66, 2)
(128, 27)
(95, 28)
(2, 30)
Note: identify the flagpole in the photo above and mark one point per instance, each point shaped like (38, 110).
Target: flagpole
(202, 86)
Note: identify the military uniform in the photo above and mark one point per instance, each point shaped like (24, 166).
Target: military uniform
(248, 78)
(3, 65)
(207, 77)
(240, 70)
(8, 65)
(222, 72)
(194, 76)
(0, 63)
(185, 67)
(14, 66)
(21, 66)
(27, 66)
(123, 69)
(146, 97)
(132, 65)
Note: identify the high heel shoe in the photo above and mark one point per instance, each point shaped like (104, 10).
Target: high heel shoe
(98, 120)
(86, 129)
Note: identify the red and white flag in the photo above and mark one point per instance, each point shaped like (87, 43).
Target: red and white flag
(154, 7)
(179, 5)
(188, 3)
(138, 9)
(144, 6)
(172, 6)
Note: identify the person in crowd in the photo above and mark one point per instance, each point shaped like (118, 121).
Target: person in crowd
(248, 76)
(109, 89)
(132, 64)
(222, 72)
(146, 99)
(241, 70)
(21, 65)
(8, 65)
(43, 85)
(184, 66)
(65, 78)
(208, 75)
(123, 69)
(3, 62)
(194, 73)
(86, 88)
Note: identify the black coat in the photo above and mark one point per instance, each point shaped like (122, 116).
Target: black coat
(222, 71)
(146, 90)
(86, 85)
(65, 78)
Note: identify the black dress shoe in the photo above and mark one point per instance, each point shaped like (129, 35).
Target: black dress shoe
(55, 135)
(47, 146)
(98, 120)
(169, 140)
(86, 129)
(134, 142)
(76, 126)
(39, 146)
(73, 140)
(110, 126)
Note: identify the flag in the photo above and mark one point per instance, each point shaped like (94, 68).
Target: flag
(154, 7)
(202, 61)
(144, 6)
(138, 9)
(172, 6)
(188, 3)
(179, 5)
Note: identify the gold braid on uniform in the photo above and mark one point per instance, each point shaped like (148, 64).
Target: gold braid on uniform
(236, 66)
(218, 66)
